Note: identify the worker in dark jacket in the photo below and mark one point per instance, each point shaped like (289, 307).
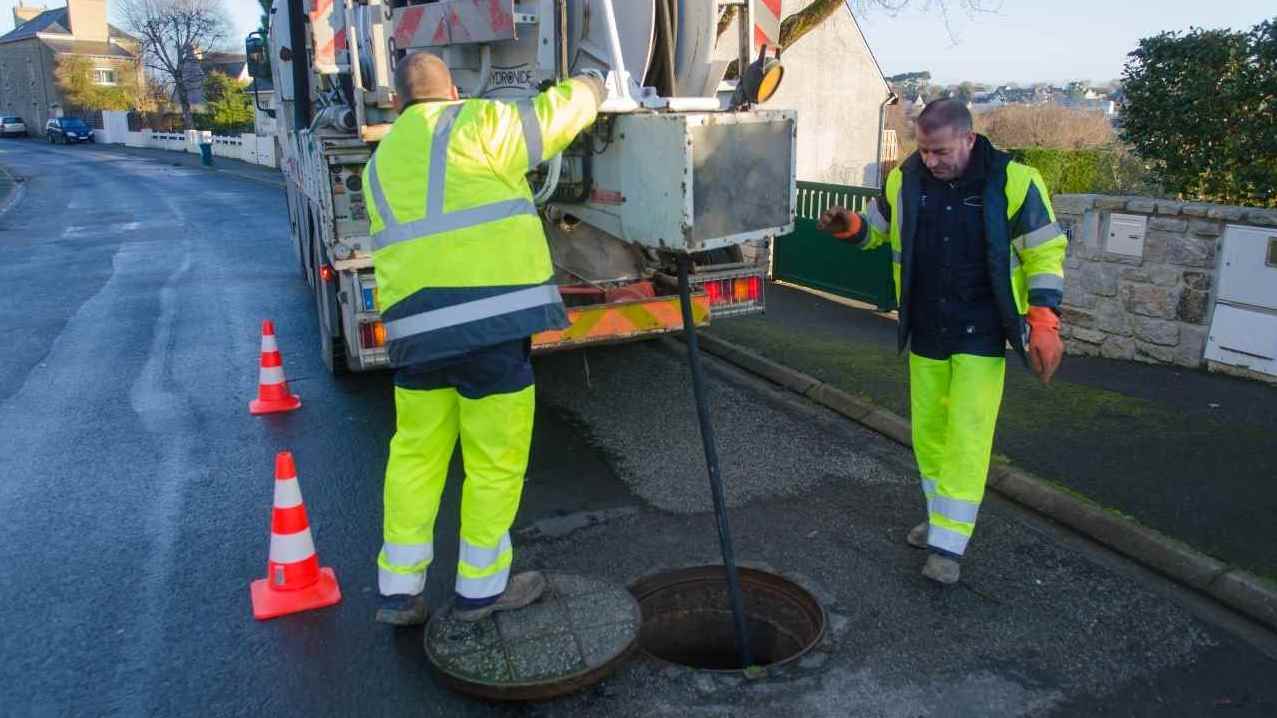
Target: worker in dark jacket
(978, 261)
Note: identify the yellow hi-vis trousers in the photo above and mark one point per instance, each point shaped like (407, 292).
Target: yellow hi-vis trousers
(955, 405)
(496, 436)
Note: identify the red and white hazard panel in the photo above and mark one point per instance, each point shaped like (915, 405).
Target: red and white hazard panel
(328, 30)
(767, 23)
(453, 22)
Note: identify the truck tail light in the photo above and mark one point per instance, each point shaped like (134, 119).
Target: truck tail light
(326, 273)
(372, 335)
(734, 291)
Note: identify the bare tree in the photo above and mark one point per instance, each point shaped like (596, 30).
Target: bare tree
(1045, 126)
(175, 34)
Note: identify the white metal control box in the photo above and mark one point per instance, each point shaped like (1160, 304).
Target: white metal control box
(692, 182)
(1243, 330)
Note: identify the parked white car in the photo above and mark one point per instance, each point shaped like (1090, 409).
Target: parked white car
(12, 126)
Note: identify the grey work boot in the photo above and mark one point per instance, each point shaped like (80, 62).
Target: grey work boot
(941, 569)
(523, 590)
(917, 537)
(403, 610)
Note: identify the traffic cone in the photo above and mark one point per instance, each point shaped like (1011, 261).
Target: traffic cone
(294, 581)
(272, 387)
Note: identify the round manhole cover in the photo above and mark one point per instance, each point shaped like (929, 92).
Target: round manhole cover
(580, 630)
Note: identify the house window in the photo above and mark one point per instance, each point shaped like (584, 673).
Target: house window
(103, 76)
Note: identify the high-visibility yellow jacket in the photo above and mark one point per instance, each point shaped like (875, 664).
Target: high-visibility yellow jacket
(458, 248)
(1025, 246)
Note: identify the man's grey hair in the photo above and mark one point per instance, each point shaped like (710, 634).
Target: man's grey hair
(948, 112)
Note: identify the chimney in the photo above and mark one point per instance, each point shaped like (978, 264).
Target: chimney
(23, 13)
(88, 19)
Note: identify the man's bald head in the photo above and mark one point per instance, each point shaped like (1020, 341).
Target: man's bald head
(422, 76)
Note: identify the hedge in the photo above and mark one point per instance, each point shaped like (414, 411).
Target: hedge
(1102, 170)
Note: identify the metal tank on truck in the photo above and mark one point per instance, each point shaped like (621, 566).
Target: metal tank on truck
(681, 161)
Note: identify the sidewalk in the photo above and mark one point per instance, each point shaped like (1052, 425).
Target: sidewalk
(1184, 452)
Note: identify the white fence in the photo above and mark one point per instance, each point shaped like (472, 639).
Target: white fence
(245, 148)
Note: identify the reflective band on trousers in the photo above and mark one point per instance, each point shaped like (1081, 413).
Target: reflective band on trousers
(531, 133)
(483, 587)
(1046, 281)
(466, 312)
(291, 548)
(954, 509)
(875, 218)
(287, 494)
(408, 555)
(480, 557)
(271, 375)
(390, 583)
(435, 220)
(947, 539)
(1038, 237)
(928, 486)
(897, 257)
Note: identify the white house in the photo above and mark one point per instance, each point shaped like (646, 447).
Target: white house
(834, 82)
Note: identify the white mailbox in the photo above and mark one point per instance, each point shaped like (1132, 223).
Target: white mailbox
(1126, 234)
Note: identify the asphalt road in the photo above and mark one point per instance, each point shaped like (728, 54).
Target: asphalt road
(135, 493)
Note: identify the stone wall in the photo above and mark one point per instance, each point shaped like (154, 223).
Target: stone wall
(1154, 308)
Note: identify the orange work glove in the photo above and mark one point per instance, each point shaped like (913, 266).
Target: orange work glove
(1045, 347)
(840, 222)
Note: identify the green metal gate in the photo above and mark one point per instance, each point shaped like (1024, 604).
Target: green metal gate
(811, 258)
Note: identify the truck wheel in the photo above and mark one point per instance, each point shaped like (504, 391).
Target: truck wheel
(332, 349)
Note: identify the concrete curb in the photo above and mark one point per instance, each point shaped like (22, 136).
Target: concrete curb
(1238, 589)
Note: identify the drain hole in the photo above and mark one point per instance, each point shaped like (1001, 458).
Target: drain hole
(687, 618)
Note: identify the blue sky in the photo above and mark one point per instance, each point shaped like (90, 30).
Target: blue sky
(1025, 41)
(1038, 41)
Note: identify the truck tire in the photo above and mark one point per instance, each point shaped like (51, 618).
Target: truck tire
(332, 347)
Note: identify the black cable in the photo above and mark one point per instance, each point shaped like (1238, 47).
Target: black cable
(711, 462)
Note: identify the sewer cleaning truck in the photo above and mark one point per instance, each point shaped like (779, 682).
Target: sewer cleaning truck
(684, 160)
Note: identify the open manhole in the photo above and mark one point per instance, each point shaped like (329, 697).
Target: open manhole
(687, 618)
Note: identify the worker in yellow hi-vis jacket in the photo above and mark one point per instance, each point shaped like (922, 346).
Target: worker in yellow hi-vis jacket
(978, 261)
(464, 280)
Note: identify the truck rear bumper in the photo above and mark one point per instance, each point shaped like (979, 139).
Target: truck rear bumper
(621, 321)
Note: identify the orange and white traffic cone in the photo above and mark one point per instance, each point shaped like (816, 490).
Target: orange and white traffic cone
(272, 388)
(294, 581)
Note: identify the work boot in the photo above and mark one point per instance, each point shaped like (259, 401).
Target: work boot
(523, 590)
(403, 610)
(941, 569)
(917, 537)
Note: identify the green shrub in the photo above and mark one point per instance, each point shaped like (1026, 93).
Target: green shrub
(1101, 170)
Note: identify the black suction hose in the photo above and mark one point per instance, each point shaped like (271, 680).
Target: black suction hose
(711, 461)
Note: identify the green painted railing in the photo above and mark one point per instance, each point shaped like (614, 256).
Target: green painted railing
(811, 258)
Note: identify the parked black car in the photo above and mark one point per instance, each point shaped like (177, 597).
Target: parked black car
(68, 130)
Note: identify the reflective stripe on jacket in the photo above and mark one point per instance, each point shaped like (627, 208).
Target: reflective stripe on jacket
(458, 248)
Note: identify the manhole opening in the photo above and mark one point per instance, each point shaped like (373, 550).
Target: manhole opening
(687, 618)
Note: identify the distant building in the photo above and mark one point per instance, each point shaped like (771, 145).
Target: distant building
(29, 55)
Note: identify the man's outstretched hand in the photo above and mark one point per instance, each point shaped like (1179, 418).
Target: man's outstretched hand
(840, 222)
